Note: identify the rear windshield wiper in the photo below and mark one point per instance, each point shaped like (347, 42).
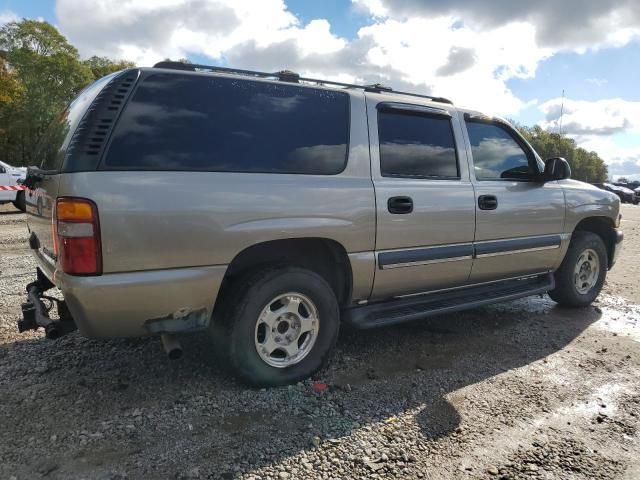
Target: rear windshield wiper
(35, 175)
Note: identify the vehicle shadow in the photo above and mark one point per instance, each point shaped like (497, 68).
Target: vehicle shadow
(10, 212)
(133, 403)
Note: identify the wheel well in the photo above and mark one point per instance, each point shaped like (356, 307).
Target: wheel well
(325, 257)
(604, 228)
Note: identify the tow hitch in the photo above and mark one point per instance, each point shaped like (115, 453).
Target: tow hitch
(35, 312)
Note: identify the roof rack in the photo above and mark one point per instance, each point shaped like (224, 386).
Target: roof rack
(292, 77)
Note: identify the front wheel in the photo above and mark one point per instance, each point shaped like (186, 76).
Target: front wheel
(581, 275)
(282, 325)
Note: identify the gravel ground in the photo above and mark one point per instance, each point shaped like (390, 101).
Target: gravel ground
(516, 390)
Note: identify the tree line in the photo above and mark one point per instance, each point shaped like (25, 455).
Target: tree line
(41, 72)
(586, 166)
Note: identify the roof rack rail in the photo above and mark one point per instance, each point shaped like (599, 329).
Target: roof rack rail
(292, 77)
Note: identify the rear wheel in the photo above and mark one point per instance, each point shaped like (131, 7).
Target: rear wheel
(581, 275)
(282, 325)
(19, 202)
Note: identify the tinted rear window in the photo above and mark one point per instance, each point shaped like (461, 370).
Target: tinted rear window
(53, 145)
(206, 123)
(416, 146)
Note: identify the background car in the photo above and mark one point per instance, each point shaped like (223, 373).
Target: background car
(626, 195)
(10, 190)
(634, 187)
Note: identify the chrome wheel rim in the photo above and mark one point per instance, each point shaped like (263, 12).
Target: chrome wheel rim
(587, 271)
(286, 330)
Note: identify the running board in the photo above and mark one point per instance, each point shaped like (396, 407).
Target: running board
(412, 308)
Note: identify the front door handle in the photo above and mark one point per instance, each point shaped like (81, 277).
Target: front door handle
(487, 202)
(400, 205)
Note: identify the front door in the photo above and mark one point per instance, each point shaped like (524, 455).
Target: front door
(424, 199)
(519, 219)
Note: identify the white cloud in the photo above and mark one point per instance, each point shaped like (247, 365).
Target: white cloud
(621, 160)
(147, 32)
(598, 82)
(575, 24)
(588, 118)
(7, 16)
(421, 49)
(598, 126)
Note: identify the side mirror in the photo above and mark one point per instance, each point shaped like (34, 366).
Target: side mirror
(2, 169)
(556, 168)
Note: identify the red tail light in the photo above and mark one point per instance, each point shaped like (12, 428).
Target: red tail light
(78, 232)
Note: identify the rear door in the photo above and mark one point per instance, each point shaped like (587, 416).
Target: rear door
(519, 219)
(424, 199)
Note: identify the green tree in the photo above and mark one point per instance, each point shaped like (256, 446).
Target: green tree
(50, 74)
(101, 66)
(586, 166)
(11, 102)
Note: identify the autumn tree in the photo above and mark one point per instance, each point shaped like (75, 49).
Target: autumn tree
(101, 66)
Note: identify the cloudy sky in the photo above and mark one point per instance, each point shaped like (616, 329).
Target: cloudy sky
(508, 57)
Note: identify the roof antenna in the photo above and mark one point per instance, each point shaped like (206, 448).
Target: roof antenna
(561, 111)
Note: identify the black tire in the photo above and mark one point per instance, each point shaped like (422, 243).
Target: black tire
(19, 202)
(249, 296)
(566, 293)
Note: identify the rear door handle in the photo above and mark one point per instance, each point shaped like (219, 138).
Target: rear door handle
(400, 205)
(487, 202)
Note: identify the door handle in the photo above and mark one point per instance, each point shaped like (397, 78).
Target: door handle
(487, 202)
(400, 205)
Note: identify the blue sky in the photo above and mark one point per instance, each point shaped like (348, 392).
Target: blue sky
(514, 61)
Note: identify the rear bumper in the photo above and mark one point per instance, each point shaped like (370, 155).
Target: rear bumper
(617, 246)
(140, 303)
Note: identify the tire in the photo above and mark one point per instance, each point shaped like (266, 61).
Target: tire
(19, 202)
(253, 321)
(584, 246)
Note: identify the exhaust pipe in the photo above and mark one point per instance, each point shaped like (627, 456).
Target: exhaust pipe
(171, 345)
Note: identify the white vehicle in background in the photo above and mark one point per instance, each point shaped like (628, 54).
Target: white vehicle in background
(10, 189)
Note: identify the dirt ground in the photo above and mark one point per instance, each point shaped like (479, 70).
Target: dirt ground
(517, 390)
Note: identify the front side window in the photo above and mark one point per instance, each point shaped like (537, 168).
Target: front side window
(415, 145)
(208, 123)
(496, 154)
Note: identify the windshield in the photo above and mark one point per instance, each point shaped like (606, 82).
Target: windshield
(54, 143)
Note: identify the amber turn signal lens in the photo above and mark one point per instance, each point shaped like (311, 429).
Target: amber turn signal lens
(72, 210)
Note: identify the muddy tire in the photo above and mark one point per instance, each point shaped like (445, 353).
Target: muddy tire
(281, 326)
(582, 272)
(19, 202)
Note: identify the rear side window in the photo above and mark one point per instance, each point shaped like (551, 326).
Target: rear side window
(415, 145)
(496, 154)
(206, 123)
(53, 144)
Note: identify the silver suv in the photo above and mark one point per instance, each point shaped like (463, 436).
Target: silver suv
(265, 209)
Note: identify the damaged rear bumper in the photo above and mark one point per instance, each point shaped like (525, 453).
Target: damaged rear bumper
(35, 313)
(133, 304)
